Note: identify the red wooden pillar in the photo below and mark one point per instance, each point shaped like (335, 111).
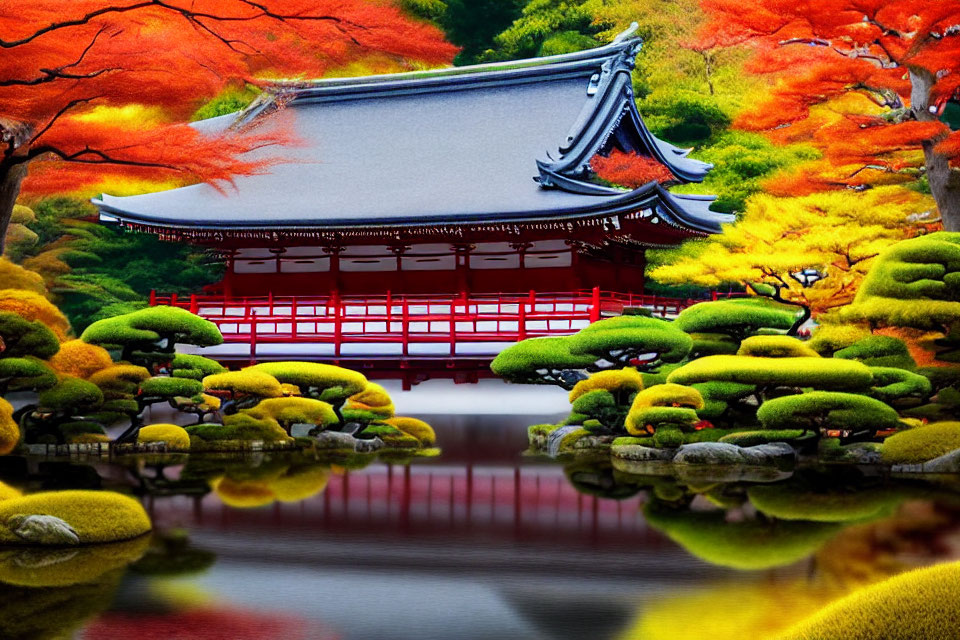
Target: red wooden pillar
(462, 252)
(153, 297)
(293, 317)
(228, 276)
(521, 320)
(334, 252)
(595, 305)
(194, 306)
(337, 323)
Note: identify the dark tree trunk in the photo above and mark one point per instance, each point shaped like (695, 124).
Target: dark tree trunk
(10, 180)
(944, 181)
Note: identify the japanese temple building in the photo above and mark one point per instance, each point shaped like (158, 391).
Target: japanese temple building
(454, 182)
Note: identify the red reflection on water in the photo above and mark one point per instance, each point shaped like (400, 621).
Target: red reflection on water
(205, 624)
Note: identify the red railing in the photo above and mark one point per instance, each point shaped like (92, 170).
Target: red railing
(408, 320)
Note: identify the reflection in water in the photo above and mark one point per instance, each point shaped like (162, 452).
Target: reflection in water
(469, 546)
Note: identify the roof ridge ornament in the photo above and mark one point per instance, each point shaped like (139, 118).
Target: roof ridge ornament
(626, 33)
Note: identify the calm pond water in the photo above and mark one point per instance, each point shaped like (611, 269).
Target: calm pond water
(478, 543)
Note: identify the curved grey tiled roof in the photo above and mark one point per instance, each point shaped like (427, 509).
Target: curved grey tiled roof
(466, 144)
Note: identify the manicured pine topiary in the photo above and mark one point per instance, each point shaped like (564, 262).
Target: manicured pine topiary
(20, 337)
(32, 305)
(416, 428)
(899, 387)
(775, 347)
(242, 389)
(665, 406)
(25, 374)
(733, 320)
(373, 401)
(193, 366)
(771, 373)
(879, 351)
(289, 411)
(324, 382)
(631, 341)
(857, 415)
(542, 361)
(914, 283)
(149, 336)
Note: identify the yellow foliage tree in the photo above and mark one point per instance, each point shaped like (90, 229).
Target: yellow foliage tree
(13, 276)
(9, 432)
(80, 359)
(812, 251)
(31, 305)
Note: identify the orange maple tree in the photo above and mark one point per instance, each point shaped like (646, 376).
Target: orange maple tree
(61, 61)
(629, 169)
(899, 58)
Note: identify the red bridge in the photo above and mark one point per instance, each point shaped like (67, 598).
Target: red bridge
(412, 337)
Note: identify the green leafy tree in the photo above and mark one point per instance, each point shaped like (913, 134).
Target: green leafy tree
(542, 361)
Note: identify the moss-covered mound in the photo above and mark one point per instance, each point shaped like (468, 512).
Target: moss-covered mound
(174, 436)
(921, 444)
(95, 516)
(749, 545)
(917, 605)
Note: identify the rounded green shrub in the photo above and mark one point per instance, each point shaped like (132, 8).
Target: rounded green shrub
(922, 443)
(827, 410)
(667, 438)
(248, 382)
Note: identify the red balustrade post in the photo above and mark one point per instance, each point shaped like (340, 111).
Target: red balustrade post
(194, 307)
(173, 299)
(270, 301)
(389, 311)
(595, 305)
(293, 317)
(713, 295)
(253, 338)
(153, 297)
(521, 321)
(405, 325)
(453, 327)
